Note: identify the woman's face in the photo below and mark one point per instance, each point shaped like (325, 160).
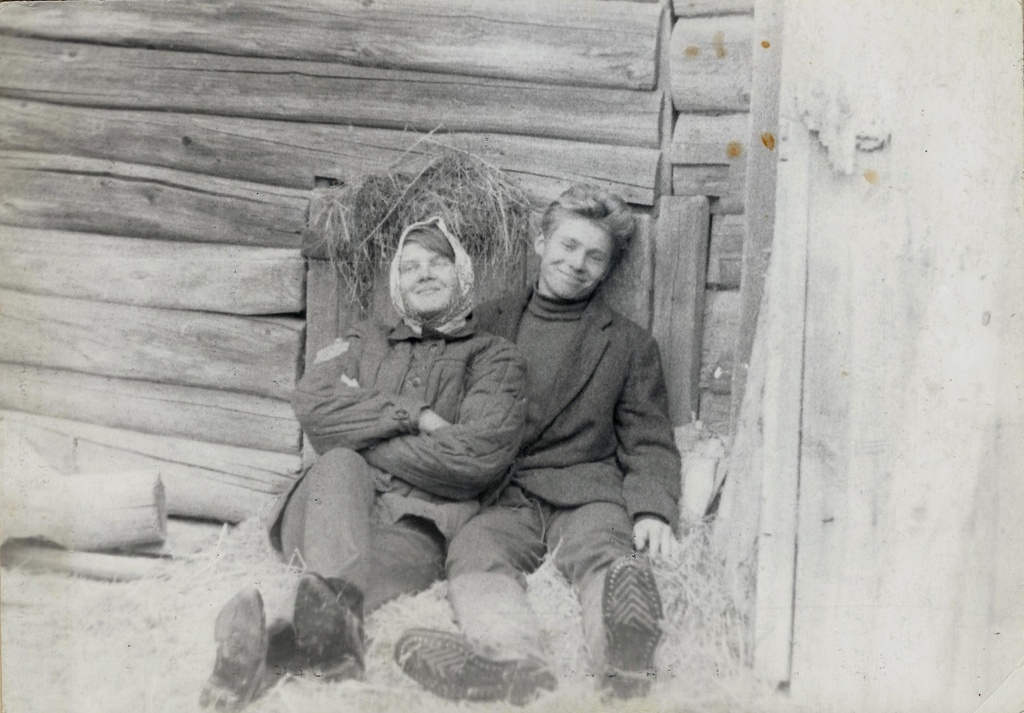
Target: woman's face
(426, 280)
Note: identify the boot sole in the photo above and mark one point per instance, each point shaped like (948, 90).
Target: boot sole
(241, 636)
(448, 666)
(632, 618)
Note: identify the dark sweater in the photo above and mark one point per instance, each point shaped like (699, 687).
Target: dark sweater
(546, 332)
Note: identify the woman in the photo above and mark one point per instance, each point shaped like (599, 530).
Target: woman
(412, 424)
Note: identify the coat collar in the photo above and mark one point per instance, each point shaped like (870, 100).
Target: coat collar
(403, 332)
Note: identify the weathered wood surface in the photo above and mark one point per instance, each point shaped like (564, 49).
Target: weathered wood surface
(680, 256)
(710, 139)
(201, 480)
(696, 8)
(185, 537)
(711, 63)
(324, 93)
(91, 195)
(293, 154)
(569, 42)
(713, 411)
(630, 288)
(152, 273)
(725, 256)
(258, 355)
(212, 415)
(721, 317)
(93, 565)
(103, 511)
(724, 183)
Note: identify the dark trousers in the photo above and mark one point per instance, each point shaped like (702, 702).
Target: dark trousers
(334, 522)
(489, 557)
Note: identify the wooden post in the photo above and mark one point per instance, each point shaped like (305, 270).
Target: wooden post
(680, 249)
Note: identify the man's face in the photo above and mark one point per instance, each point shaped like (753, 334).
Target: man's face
(426, 280)
(573, 259)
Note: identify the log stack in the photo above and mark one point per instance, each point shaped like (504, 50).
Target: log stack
(156, 166)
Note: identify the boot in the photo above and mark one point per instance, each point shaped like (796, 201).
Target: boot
(328, 622)
(241, 636)
(449, 666)
(632, 618)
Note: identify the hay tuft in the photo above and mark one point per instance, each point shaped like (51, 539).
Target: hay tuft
(360, 224)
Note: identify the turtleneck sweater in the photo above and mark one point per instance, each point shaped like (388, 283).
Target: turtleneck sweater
(546, 331)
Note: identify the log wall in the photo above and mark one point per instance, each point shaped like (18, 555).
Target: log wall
(157, 161)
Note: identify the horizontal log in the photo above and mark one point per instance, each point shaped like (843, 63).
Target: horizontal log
(710, 63)
(90, 195)
(258, 355)
(721, 321)
(292, 154)
(211, 415)
(697, 8)
(152, 273)
(725, 255)
(709, 139)
(724, 182)
(569, 42)
(92, 565)
(327, 93)
(102, 511)
(201, 480)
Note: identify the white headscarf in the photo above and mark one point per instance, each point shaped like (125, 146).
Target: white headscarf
(461, 302)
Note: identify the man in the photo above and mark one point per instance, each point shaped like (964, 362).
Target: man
(598, 475)
(412, 423)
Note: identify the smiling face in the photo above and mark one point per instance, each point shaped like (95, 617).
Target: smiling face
(426, 280)
(574, 259)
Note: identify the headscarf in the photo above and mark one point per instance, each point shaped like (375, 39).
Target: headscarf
(461, 302)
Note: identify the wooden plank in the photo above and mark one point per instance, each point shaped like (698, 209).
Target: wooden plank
(91, 195)
(201, 480)
(710, 139)
(162, 409)
(258, 355)
(185, 537)
(721, 319)
(630, 288)
(759, 191)
(725, 256)
(713, 411)
(93, 565)
(293, 154)
(697, 8)
(568, 42)
(711, 59)
(723, 182)
(152, 273)
(680, 256)
(323, 93)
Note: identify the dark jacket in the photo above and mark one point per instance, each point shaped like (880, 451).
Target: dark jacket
(476, 381)
(604, 435)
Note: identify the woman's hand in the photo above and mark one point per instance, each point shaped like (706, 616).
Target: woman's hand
(430, 421)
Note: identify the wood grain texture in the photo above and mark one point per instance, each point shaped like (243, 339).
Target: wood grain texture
(568, 42)
(326, 93)
(710, 139)
(725, 256)
(721, 320)
(711, 63)
(132, 200)
(697, 8)
(292, 154)
(152, 273)
(724, 183)
(212, 415)
(201, 480)
(680, 256)
(258, 355)
(630, 287)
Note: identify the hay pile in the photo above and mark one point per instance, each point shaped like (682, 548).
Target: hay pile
(359, 225)
(78, 645)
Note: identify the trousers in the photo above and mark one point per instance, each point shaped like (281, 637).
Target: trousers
(489, 558)
(336, 523)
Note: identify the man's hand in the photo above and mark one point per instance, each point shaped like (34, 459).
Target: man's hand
(430, 421)
(656, 536)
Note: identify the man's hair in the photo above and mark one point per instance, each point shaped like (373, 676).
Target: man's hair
(600, 207)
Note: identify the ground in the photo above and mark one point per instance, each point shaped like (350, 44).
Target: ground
(147, 646)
